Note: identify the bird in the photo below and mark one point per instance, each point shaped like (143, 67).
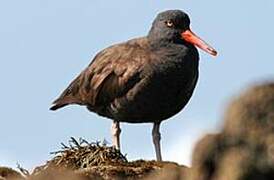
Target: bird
(143, 80)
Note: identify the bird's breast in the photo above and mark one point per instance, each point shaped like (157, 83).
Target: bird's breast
(166, 85)
(163, 91)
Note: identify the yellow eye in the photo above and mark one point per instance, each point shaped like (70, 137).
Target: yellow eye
(169, 23)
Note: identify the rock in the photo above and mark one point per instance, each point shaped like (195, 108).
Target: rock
(170, 171)
(136, 170)
(9, 174)
(244, 149)
(252, 114)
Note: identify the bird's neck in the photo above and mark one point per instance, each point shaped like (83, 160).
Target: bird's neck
(177, 51)
(156, 41)
(159, 42)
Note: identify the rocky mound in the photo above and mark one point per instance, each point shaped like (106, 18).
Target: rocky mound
(81, 160)
(8, 173)
(244, 150)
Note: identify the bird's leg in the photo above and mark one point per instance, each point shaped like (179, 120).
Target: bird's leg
(116, 131)
(156, 140)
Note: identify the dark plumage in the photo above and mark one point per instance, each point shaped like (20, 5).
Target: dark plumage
(147, 79)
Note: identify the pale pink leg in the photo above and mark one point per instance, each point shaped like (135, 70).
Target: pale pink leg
(156, 140)
(116, 131)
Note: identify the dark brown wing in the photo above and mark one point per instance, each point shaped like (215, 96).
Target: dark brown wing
(112, 73)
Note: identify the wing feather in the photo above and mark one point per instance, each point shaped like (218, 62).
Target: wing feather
(112, 73)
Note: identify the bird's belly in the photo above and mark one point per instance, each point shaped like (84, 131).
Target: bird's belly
(155, 100)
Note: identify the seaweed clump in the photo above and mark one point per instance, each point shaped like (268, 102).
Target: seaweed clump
(82, 154)
(83, 160)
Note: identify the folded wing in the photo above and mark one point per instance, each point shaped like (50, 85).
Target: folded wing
(112, 73)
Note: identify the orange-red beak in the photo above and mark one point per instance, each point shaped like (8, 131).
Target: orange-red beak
(190, 37)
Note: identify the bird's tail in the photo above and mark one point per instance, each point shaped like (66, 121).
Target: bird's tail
(55, 107)
(62, 102)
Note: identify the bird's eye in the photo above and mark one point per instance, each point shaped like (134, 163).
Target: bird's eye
(169, 23)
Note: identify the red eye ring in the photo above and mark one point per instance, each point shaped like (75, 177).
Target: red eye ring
(169, 23)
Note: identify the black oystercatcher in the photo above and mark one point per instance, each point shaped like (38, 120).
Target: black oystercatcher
(143, 80)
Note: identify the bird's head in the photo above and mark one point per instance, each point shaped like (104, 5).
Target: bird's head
(174, 26)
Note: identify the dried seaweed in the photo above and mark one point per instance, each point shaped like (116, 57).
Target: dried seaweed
(79, 154)
(23, 171)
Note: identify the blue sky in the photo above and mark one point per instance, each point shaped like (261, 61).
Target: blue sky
(44, 44)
